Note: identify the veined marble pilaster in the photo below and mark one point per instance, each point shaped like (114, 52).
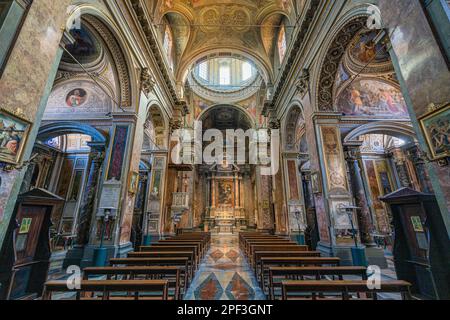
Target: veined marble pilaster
(26, 83)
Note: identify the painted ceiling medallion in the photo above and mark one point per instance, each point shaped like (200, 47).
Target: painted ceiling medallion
(365, 54)
(224, 18)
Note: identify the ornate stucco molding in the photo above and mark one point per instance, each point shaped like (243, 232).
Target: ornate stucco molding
(299, 41)
(147, 82)
(333, 59)
(154, 47)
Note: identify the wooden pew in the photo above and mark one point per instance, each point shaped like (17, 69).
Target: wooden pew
(108, 289)
(299, 273)
(176, 276)
(205, 238)
(180, 262)
(199, 243)
(285, 253)
(249, 244)
(170, 247)
(267, 262)
(164, 254)
(274, 247)
(296, 290)
(244, 239)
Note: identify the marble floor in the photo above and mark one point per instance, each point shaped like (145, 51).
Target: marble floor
(224, 274)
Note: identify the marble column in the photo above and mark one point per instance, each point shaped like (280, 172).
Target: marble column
(26, 83)
(96, 158)
(353, 157)
(402, 170)
(307, 190)
(419, 163)
(423, 84)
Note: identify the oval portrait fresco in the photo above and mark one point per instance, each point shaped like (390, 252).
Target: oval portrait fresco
(76, 98)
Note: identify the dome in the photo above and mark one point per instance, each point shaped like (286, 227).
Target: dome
(231, 78)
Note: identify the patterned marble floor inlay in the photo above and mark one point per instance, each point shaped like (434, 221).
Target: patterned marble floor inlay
(224, 274)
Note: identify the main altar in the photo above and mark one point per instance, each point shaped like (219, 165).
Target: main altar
(225, 211)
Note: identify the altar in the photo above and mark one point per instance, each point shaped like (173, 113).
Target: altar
(225, 211)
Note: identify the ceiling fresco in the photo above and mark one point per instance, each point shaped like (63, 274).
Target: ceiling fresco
(365, 50)
(86, 48)
(239, 25)
(372, 97)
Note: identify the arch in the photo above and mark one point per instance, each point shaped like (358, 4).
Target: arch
(395, 129)
(156, 125)
(249, 118)
(95, 95)
(62, 128)
(269, 11)
(179, 25)
(270, 31)
(114, 40)
(291, 139)
(177, 7)
(339, 40)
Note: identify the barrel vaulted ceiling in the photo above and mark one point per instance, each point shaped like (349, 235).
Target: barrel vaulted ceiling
(199, 27)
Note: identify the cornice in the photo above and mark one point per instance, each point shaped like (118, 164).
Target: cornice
(149, 34)
(295, 48)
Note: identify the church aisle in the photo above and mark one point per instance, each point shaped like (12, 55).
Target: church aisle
(224, 274)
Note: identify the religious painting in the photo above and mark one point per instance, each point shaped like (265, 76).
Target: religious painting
(85, 48)
(225, 194)
(80, 98)
(436, 129)
(133, 183)
(334, 160)
(372, 98)
(365, 50)
(118, 153)
(373, 169)
(13, 137)
(76, 98)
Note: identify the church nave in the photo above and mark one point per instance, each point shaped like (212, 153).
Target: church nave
(234, 150)
(224, 274)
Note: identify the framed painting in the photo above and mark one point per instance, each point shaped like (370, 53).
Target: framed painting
(225, 193)
(435, 126)
(14, 133)
(133, 184)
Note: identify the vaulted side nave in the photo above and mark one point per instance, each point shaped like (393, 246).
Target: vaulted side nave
(224, 150)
